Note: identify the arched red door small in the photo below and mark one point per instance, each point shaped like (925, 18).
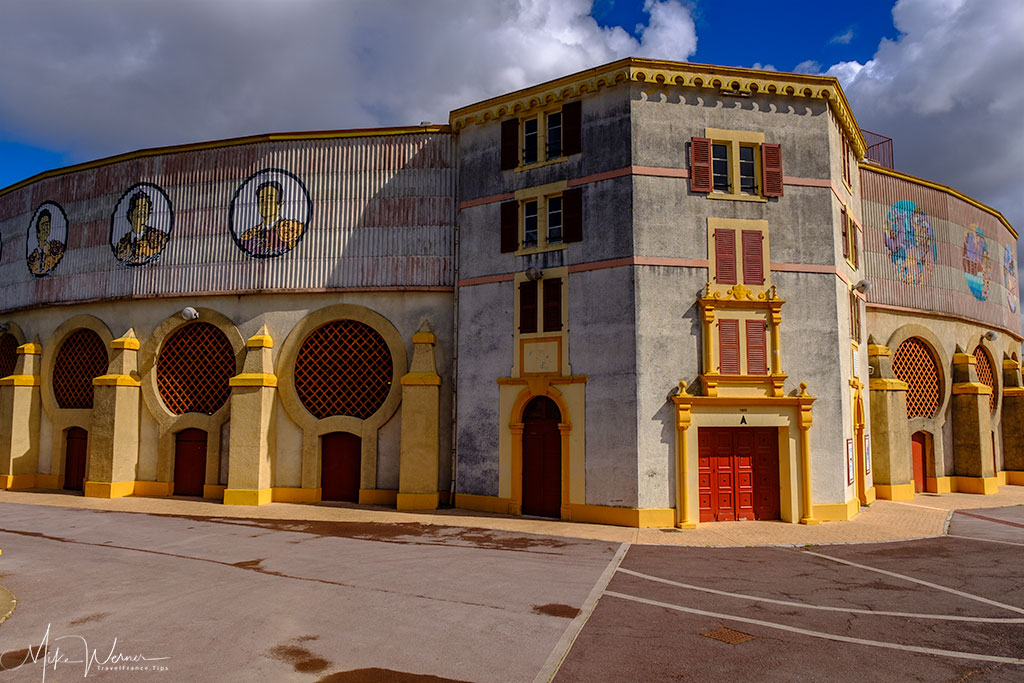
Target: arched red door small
(542, 459)
(340, 461)
(190, 462)
(74, 459)
(918, 446)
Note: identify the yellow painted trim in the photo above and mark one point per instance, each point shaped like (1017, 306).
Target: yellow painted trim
(246, 496)
(420, 379)
(887, 384)
(469, 501)
(286, 494)
(30, 349)
(260, 341)
(1001, 478)
(377, 496)
(964, 359)
(938, 484)
(17, 481)
(894, 492)
(154, 489)
(130, 343)
(19, 381)
(975, 388)
(983, 485)
(1015, 478)
(116, 381)
(879, 350)
(417, 501)
(424, 338)
(103, 489)
(1010, 364)
(1013, 391)
(253, 379)
(619, 516)
(870, 495)
(837, 512)
(214, 491)
(48, 481)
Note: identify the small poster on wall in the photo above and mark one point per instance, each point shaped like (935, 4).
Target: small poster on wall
(849, 461)
(867, 454)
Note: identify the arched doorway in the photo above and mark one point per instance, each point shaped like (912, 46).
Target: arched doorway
(74, 458)
(919, 454)
(542, 458)
(340, 461)
(189, 462)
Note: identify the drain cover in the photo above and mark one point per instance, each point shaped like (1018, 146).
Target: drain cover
(728, 635)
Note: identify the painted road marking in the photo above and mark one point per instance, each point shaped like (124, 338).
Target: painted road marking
(804, 605)
(557, 656)
(984, 540)
(990, 519)
(922, 582)
(822, 634)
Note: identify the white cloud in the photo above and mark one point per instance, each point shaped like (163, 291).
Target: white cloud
(808, 66)
(105, 78)
(843, 38)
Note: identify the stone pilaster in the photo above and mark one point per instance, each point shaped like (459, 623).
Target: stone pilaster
(1012, 422)
(891, 459)
(973, 463)
(20, 409)
(114, 434)
(251, 443)
(420, 451)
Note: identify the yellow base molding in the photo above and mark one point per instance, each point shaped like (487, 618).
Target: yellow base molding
(616, 516)
(417, 501)
(103, 489)
(17, 481)
(1014, 478)
(49, 481)
(214, 491)
(1001, 478)
(895, 491)
(284, 494)
(154, 489)
(837, 512)
(246, 496)
(982, 485)
(869, 496)
(469, 501)
(377, 496)
(938, 485)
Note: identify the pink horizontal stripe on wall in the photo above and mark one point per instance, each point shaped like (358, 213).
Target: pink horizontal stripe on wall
(486, 200)
(486, 279)
(804, 268)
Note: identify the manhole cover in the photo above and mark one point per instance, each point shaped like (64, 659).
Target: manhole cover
(728, 635)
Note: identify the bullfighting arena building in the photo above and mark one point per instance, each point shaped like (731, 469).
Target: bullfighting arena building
(646, 294)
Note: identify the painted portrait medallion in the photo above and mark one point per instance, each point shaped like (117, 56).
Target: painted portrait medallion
(910, 242)
(1010, 276)
(47, 239)
(141, 224)
(977, 262)
(270, 213)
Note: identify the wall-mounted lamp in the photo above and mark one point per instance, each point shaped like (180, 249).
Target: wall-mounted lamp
(533, 274)
(189, 313)
(991, 335)
(863, 286)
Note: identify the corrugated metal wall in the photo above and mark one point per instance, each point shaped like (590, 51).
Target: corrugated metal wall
(929, 250)
(383, 212)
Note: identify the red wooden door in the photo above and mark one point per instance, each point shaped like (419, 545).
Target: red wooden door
(542, 459)
(189, 462)
(917, 448)
(74, 459)
(766, 474)
(340, 461)
(738, 473)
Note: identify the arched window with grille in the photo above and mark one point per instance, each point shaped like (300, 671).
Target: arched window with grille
(81, 358)
(915, 365)
(194, 368)
(8, 354)
(986, 373)
(343, 368)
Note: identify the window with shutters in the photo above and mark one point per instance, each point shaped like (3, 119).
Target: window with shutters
(541, 323)
(729, 346)
(734, 164)
(539, 221)
(738, 252)
(854, 316)
(547, 137)
(848, 237)
(845, 151)
(757, 347)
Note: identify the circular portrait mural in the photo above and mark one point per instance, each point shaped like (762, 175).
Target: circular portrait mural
(270, 213)
(910, 242)
(1010, 276)
(141, 224)
(47, 239)
(977, 263)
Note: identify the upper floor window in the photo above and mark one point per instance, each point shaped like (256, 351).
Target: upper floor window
(544, 296)
(731, 164)
(544, 222)
(848, 230)
(846, 159)
(738, 251)
(548, 136)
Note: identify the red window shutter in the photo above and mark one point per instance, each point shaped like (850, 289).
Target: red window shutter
(753, 257)
(845, 228)
(725, 257)
(757, 348)
(572, 123)
(527, 307)
(771, 170)
(700, 164)
(855, 252)
(509, 144)
(553, 305)
(729, 347)
(509, 226)
(572, 215)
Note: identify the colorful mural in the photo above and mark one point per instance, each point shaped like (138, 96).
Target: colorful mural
(1010, 276)
(270, 213)
(910, 242)
(47, 239)
(140, 226)
(977, 263)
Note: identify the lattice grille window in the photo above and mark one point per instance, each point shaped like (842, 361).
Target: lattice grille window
(194, 368)
(81, 357)
(343, 368)
(913, 363)
(8, 354)
(986, 375)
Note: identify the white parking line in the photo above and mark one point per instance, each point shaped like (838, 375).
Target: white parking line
(804, 605)
(821, 634)
(921, 582)
(984, 540)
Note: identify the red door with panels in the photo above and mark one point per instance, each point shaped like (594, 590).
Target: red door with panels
(542, 459)
(738, 473)
(341, 459)
(189, 462)
(74, 459)
(918, 445)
